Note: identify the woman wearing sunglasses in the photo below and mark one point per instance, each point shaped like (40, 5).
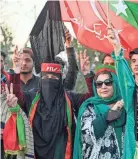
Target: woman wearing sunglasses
(101, 119)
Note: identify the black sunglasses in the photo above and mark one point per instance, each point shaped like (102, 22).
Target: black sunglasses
(107, 82)
(110, 64)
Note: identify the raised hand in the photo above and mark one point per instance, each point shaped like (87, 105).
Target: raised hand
(84, 62)
(16, 60)
(68, 38)
(11, 98)
(118, 105)
(114, 40)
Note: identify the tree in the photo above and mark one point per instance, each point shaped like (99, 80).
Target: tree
(7, 42)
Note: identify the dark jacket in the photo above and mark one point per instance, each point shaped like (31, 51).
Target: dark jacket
(136, 111)
(31, 83)
(70, 80)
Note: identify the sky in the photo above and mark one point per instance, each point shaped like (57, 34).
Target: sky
(20, 16)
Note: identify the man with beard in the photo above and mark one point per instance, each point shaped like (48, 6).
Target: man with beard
(134, 63)
(28, 79)
(14, 79)
(52, 112)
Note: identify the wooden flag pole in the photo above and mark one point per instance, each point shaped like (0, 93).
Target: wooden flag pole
(108, 15)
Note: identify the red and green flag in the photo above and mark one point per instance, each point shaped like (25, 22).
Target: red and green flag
(89, 20)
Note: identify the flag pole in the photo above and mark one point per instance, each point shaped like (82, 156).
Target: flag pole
(108, 15)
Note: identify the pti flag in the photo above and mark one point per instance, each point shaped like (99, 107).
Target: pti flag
(89, 20)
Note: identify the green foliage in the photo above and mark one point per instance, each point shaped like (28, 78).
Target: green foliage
(7, 42)
(81, 86)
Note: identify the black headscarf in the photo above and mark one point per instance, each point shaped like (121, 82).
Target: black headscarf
(50, 118)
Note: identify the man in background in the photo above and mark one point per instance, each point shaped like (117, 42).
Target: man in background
(108, 60)
(28, 79)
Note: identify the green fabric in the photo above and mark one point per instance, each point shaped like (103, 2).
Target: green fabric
(132, 13)
(118, 130)
(100, 107)
(37, 97)
(102, 110)
(100, 120)
(127, 85)
(104, 66)
(68, 117)
(136, 154)
(20, 125)
(131, 10)
(60, 147)
(116, 95)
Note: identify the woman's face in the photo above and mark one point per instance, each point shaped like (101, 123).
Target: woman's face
(104, 86)
(50, 76)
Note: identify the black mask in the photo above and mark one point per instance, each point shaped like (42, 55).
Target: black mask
(49, 90)
(50, 117)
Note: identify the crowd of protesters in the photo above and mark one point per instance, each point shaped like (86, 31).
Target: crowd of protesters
(43, 118)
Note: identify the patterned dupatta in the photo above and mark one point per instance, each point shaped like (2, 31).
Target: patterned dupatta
(100, 107)
(17, 133)
(105, 147)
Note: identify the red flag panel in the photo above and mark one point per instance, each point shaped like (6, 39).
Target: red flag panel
(89, 21)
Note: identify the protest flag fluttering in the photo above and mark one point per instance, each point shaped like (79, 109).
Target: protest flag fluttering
(47, 35)
(90, 18)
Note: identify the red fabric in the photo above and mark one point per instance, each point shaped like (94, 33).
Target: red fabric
(10, 137)
(90, 30)
(69, 104)
(69, 143)
(105, 69)
(50, 67)
(88, 81)
(134, 1)
(31, 117)
(68, 147)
